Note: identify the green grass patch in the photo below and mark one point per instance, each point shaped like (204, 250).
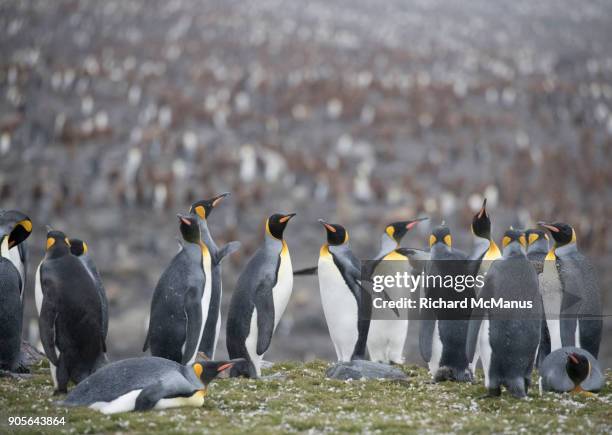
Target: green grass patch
(305, 401)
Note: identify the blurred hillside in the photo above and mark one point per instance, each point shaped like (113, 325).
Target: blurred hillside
(115, 115)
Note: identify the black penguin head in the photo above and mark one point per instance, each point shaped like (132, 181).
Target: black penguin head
(397, 230)
(562, 234)
(276, 224)
(481, 224)
(336, 234)
(514, 239)
(209, 370)
(14, 225)
(205, 207)
(57, 243)
(77, 247)
(190, 230)
(441, 234)
(578, 367)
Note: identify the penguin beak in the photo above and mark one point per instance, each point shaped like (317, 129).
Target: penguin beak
(573, 358)
(183, 219)
(549, 227)
(327, 226)
(225, 367)
(217, 199)
(286, 218)
(483, 209)
(413, 223)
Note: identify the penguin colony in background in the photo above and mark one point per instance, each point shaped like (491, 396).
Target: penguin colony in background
(560, 334)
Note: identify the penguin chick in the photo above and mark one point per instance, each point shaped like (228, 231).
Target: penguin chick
(261, 296)
(181, 299)
(140, 384)
(345, 305)
(571, 369)
(202, 210)
(571, 293)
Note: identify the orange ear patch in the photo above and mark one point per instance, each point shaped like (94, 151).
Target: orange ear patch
(198, 369)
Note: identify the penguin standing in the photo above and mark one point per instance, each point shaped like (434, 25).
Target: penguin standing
(70, 316)
(344, 303)
(537, 249)
(443, 335)
(261, 296)
(484, 252)
(386, 337)
(571, 369)
(14, 229)
(181, 299)
(140, 384)
(513, 336)
(202, 210)
(79, 249)
(571, 293)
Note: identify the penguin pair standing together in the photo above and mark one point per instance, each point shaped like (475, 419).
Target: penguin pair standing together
(15, 228)
(72, 308)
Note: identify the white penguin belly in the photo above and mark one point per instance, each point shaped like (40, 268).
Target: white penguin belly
(386, 340)
(550, 287)
(15, 258)
(251, 343)
(284, 286)
(125, 402)
(484, 346)
(436, 351)
(38, 294)
(205, 303)
(340, 308)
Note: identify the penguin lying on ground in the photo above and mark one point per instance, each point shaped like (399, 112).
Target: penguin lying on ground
(260, 298)
(202, 210)
(70, 320)
(386, 337)
(571, 369)
(140, 384)
(537, 249)
(485, 251)
(344, 304)
(181, 299)
(15, 227)
(79, 249)
(570, 292)
(442, 339)
(513, 334)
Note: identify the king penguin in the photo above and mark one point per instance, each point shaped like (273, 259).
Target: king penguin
(345, 305)
(79, 249)
(571, 293)
(202, 210)
(141, 384)
(484, 252)
(14, 229)
(181, 299)
(261, 296)
(513, 336)
(443, 335)
(537, 249)
(571, 369)
(70, 315)
(386, 337)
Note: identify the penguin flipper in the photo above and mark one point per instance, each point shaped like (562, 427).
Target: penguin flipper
(264, 304)
(228, 249)
(426, 337)
(193, 313)
(150, 395)
(306, 271)
(48, 317)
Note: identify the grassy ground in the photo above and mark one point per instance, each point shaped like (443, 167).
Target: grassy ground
(306, 401)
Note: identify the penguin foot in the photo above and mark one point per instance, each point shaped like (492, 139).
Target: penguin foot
(22, 368)
(582, 393)
(59, 392)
